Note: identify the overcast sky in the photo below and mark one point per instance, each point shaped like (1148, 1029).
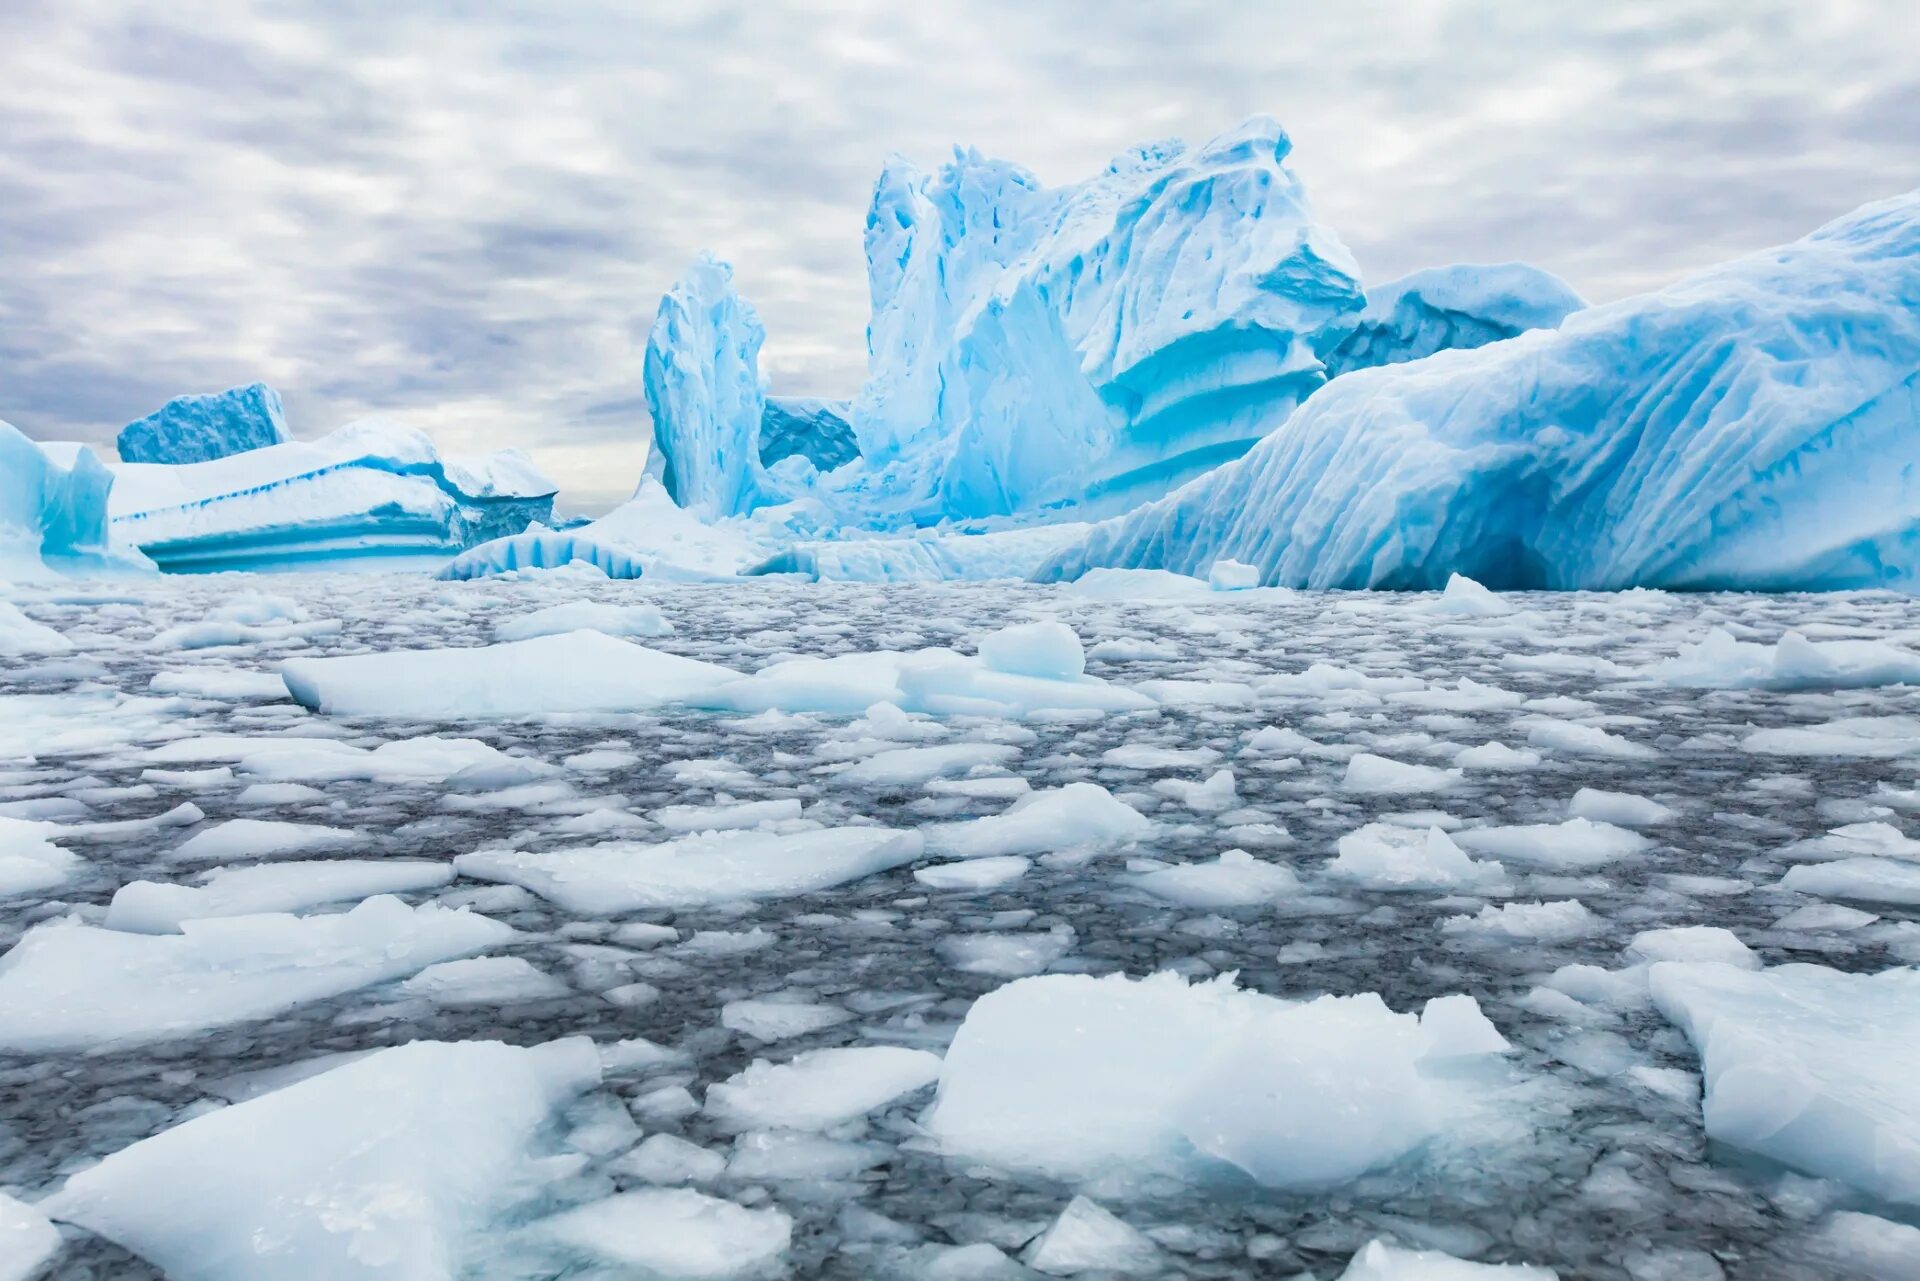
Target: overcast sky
(464, 213)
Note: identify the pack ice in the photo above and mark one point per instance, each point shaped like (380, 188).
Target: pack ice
(1748, 427)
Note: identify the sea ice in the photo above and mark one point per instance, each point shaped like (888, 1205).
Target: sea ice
(819, 1089)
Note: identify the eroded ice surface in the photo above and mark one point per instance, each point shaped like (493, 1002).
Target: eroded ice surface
(1198, 822)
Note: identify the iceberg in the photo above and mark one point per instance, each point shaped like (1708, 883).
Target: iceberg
(372, 494)
(1447, 308)
(54, 512)
(1086, 347)
(199, 429)
(816, 430)
(702, 382)
(1748, 428)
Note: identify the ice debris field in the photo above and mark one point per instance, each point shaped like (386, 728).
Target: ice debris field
(1203, 767)
(557, 926)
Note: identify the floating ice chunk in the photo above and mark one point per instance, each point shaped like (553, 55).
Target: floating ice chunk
(1143, 756)
(247, 838)
(1228, 575)
(27, 1240)
(604, 617)
(1807, 1066)
(1073, 1076)
(974, 874)
(1467, 599)
(1079, 816)
(694, 871)
(819, 1089)
(1577, 843)
(1378, 1261)
(1136, 584)
(1865, 880)
(323, 760)
(674, 1233)
(68, 986)
(1869, 1247)
(1793, 662)
(21, 635)
(388, 1167)
(29, 862)
(1467, 695)
(1866, 736)
(1621, 808)
(1235, 879)
(1215, 795)
(484, 980)
(1527, 922)
(539, 550)
(726, 818)
(1006, 954)
(576, 672)
(1872, 839)
(791, 1155)
(1380, 776)
(1825, 916)
(219, 683)
(904, 766)
(1087, 1238)
(1050, 651)
(779, 1020)
(1495, 756)
(148, 907)
(667, 1158)
(1390, 857)
(1585, 740)
(1692, 943)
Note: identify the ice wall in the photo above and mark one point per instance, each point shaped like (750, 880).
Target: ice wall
(1752, 426)
(1444, 308)
(53, 518)
(816, 430)
(198, 429)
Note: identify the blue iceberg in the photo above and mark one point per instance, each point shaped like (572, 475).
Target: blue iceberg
(53, 512)
(1082, 349)
(1447, 308)
(816, 430)
(1752, 426)
(373, 494)
(702, 381)
(198, 429)
(540, 549)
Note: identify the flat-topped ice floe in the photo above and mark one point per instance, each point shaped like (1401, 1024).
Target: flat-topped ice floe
(695, 871)
(386, 1169)
(1075, 1077)
(148, 907)
(68, 986)
(1020, 671)
(1807, 1066)
(1793, 662)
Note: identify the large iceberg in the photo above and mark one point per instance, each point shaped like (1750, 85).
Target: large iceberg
(702, 380)
(1443, 308)
(53, 513)
(375, 492)
(1090, 345)
(1748, 427)
(199, 429)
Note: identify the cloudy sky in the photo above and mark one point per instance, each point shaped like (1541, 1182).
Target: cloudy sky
(463, 213)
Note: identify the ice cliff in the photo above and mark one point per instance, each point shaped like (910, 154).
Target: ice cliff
(816, 430)
(198, 429)
(53, 512)
(1751, 426)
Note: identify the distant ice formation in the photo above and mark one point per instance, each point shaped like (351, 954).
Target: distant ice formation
(199, 429)
(1749, 427)
(53, 511)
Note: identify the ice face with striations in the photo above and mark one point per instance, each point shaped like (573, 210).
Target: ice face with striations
(703, 389)
(373, 493)
(199, 429)
(1091, 345)
(1749, 427)
(1442, 308)
(53, 514)
(816, 430)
